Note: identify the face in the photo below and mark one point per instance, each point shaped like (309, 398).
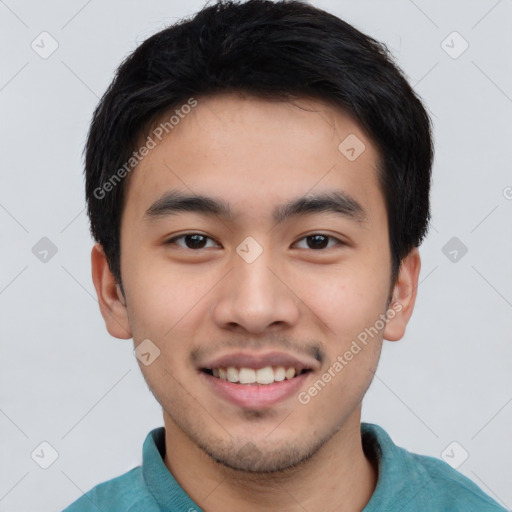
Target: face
(257, 279)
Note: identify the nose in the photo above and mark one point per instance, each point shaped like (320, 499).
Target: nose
(255, 297)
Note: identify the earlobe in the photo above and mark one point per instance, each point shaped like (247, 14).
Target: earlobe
(110, 298)
(404, 296)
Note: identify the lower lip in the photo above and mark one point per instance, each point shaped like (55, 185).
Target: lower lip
(252, 396)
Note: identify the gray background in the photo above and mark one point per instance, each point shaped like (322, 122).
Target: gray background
(65, 381)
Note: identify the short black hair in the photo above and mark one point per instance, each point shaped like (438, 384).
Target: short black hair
(273, 50)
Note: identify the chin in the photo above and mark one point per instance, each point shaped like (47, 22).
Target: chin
(261, 457)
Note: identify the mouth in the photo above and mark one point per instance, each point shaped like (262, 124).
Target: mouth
(260, 376)
(256, 380)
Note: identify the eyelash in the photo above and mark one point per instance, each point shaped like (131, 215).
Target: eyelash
(172, 241)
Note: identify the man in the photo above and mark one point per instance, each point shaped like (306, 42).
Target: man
(258, 185)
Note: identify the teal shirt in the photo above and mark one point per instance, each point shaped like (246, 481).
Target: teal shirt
(407, 482)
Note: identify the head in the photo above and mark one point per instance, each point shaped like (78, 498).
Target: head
(257, 182)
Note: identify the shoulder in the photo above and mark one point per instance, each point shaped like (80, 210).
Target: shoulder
(125, 493)
(419, 482)
(452, 490)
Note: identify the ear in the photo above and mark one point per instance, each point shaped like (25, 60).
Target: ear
(110, 298)
(404, 296)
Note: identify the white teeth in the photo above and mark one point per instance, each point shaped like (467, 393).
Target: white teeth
(290, 373)
(246, 376)
(232, 374)
(266, 375)
(279, 374)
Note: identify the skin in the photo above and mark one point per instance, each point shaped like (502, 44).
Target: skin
(256, 154)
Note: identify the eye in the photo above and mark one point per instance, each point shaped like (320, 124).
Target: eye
(191, 240)
(319, 241)
(196, 241)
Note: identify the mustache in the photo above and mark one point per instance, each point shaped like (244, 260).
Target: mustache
(310, 348)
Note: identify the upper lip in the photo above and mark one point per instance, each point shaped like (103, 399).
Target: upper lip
(257, 360)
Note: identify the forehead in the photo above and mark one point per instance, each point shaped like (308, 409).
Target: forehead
(252, 152)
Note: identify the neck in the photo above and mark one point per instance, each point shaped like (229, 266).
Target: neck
(338, 477)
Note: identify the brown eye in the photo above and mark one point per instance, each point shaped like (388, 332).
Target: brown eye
(319, 241)
(191, 240)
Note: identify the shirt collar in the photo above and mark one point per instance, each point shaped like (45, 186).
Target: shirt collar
(166, 491)
(400, 479)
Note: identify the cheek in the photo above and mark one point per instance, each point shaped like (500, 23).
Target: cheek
(155, 298)
(349, 303)
(166, 302)
(347, 298)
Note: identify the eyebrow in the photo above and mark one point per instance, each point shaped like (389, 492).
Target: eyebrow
(338, 202)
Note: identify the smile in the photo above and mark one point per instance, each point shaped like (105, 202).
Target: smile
(263, 376)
